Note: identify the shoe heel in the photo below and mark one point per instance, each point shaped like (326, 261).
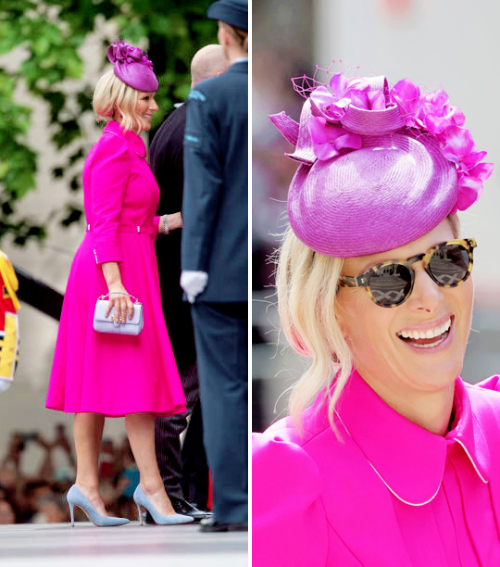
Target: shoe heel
(75, 497)
(139, 514)
(71, 513)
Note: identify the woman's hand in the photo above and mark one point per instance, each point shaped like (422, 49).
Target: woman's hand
(174, 221)
(118, 295)
(120, 300)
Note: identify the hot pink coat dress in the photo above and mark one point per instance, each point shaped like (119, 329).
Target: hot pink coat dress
(115, 375)
(391, 494)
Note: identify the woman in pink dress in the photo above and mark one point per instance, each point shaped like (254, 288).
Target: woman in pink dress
(389, 458)
(97, 375)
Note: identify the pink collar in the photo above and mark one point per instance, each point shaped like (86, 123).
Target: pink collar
(134, 140)
(409, 459)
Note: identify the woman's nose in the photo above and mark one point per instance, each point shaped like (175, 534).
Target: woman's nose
(426, 295)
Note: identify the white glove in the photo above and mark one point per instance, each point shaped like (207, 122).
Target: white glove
(193, 283)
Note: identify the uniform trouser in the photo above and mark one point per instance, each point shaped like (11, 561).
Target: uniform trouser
(194, 462)
(221, 336)
(175, 465)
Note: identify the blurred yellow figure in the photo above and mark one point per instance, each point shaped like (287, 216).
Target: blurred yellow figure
(9, 326)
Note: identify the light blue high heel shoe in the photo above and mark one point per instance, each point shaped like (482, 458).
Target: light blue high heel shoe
(162, 519)
(76, 497)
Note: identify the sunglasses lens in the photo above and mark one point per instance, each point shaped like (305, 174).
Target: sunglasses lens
(391, 284)
(449, 265)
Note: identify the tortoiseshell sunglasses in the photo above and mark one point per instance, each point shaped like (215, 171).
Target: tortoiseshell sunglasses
(390, 283)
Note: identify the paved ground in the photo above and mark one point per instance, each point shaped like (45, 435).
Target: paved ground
(58, 545)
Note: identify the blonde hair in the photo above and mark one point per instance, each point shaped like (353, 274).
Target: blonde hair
(112, 95)
(307, 284)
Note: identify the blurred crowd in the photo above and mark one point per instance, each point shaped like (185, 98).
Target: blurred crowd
(39, 498)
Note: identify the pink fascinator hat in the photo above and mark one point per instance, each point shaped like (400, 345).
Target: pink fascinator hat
(379, 166)
(132, 66)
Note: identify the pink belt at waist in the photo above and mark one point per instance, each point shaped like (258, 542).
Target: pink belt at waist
(137, 229)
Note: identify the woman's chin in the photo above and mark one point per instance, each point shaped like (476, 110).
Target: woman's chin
(146, 123)
(428, 371)
(438, 374)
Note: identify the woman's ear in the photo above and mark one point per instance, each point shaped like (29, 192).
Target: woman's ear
(117, 115)
(224, 36)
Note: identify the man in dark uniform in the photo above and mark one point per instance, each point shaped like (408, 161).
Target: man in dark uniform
(214, 256)
(185, 474)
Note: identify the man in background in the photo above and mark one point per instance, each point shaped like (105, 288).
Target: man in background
(215, 262)
(184, 473)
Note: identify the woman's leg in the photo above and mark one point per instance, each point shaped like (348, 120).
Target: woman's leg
(141, 434)
(87, 432)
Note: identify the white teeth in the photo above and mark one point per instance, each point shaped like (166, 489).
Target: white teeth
(432, 345)
(429, 334)
(446, 326)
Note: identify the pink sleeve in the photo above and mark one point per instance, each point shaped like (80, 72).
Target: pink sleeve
(108, 182)
(491, 383)
(288, 520)
(155, 226)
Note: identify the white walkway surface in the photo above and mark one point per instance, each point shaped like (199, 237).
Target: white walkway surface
(58, 545)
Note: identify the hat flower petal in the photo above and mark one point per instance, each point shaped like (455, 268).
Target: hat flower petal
(328, 140)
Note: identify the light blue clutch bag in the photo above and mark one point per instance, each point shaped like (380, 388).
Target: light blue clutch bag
(104, 324)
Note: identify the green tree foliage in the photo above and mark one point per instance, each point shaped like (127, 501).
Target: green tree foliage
(50, 35)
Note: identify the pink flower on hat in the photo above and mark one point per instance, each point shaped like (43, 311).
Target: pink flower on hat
(406, 95)
(331, 103)
(123, 52)
(437, 116)
(146, 61)
(328, 139)
(327, 105)
(460, 149)
(431, 112)
(368, 100)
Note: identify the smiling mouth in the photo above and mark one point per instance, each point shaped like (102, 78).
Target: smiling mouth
(427, 339)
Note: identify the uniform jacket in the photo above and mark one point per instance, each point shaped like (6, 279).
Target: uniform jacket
(166, 157)
(215, 201)
(388, 494)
